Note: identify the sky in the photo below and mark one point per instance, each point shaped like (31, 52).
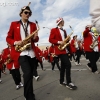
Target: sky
(74, 12)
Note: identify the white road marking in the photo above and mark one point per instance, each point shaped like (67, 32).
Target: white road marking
(57, 69)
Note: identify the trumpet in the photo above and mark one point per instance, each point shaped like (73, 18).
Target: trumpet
(66, 43)
(26, 43)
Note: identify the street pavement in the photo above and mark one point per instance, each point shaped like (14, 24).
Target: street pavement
(48, 87)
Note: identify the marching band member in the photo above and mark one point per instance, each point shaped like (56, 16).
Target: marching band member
(18, 32)
(83, 52)
(43, 56)
(70, 54)
(53, 57)
(46, 54)
(92, 54)
(39, 57)
(13, 66)
(72, 46)
(3, 65)
(57, 35)
(78, 47)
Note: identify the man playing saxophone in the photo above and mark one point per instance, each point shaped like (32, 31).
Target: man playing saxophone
(19, 31)
(92, 54)
(57, 37)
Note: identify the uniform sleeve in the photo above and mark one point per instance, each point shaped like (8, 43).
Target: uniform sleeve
(10, 35)
(52, 38)
(85, 33)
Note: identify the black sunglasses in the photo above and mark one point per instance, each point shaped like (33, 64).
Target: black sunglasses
(27, 13)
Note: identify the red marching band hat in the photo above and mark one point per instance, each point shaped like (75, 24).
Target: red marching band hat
(59, 20)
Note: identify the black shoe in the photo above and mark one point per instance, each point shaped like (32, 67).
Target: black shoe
(63, 84)
(71, 86)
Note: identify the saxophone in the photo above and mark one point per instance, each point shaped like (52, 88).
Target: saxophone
(26, 43)
(66, 43)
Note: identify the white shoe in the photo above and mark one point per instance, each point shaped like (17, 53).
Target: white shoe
(17, 87)
(44, 69)
(0, 81)
(96, 72)
(53, 70)
(36, 78)
(21, 84)
(87, 60)
(80, 64)
(76, 63)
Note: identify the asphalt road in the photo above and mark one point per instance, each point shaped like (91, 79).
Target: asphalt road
(48, 88)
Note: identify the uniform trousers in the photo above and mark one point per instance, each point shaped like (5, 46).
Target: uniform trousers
(93, 58)
(40, 63)
(55, 61)
(78, 55)
(65, 68)
(28, 66)
(16, 76)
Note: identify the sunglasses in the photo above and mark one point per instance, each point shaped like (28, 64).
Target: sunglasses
(26, 12)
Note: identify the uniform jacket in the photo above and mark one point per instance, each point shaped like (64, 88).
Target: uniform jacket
(39, 53)
(54, 37)
(51, 51)
(14, 35)
(73, 49)
(87, 40)
(46, 53)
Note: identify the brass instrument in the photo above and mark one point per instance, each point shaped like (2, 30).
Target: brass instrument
(66, 43)
(8, 60)
(26, 43)
(53, 55)
(96, 35)
(94, 43)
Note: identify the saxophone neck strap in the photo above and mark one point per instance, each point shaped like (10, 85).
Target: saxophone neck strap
(25, 26)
